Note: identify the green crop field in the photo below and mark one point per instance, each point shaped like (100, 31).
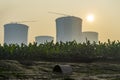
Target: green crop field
(69, 51)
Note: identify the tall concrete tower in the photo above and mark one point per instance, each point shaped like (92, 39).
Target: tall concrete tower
(68, 28)
(90, 35)
(43, 39)
(15, 33)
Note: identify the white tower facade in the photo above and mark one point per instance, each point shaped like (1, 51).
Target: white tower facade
(15, 33)
(89, 35)
(68, 28)
(43, 39)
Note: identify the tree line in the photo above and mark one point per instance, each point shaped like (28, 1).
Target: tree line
(69, 51)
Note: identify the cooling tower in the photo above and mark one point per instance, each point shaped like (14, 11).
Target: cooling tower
(43, 39)
(89, 35)
(15, 33)
(68, 28)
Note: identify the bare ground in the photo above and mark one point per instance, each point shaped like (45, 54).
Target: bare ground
(37, 70)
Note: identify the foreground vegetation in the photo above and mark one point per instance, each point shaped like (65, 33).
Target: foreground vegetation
(69, 51)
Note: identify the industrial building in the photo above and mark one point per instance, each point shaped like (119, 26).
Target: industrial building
(68, 28)
(89, 35)
(43, 39)
(15, 33)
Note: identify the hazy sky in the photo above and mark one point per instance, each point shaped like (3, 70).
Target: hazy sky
(106, 12)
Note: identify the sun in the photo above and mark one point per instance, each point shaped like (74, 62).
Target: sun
(90, 18)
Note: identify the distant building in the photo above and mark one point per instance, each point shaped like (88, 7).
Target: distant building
(68, 28)
(89, 35)
(43, 39)
(15, 33)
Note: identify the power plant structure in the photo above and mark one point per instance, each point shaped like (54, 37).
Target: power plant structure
(43, 39)
(90, 35)
(15, 33)
(68, 28)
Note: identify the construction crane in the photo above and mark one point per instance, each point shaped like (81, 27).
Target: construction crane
(24, 21)
(59, 13)
(27, 21)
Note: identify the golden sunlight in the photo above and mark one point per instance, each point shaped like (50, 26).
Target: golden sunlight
(90, 18)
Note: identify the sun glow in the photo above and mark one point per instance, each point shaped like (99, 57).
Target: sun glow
(90, 18)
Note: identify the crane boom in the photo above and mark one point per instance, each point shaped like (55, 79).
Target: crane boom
(58, 13)
(17, 22)
(26, 21)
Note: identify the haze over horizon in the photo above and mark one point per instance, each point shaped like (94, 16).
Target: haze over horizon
(106, 13)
